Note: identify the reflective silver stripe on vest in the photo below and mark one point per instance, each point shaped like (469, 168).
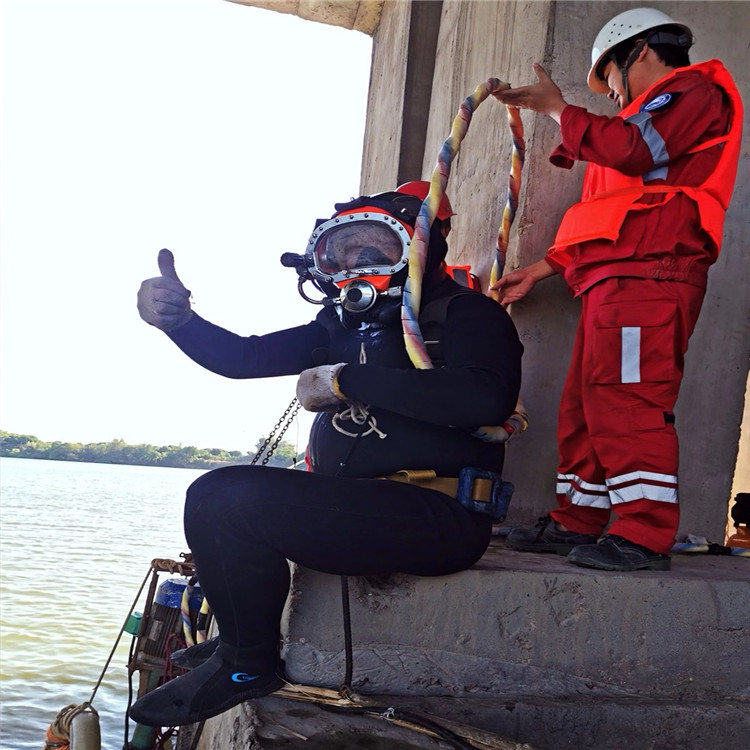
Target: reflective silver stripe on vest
(655, 144)
(630, 367)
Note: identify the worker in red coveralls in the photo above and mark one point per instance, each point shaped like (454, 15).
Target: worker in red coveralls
(636, 251)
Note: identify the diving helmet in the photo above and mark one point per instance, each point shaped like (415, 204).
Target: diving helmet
(359, 257)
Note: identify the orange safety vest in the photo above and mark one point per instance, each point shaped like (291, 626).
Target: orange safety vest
(608, 195)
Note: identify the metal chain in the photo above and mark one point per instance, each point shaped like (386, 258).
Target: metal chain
(285, 421)
(281, 435)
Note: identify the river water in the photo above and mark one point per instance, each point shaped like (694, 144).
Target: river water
(76, 540)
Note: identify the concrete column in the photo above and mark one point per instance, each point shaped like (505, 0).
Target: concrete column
(398, 111)
(385, 99)
(424, 27)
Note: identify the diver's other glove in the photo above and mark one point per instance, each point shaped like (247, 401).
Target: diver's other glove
(164, 301)
(318, 388)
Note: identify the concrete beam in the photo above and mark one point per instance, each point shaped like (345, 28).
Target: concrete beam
(530, 648)
(533, 623)
(535, 631)
(479, 40)
(359, 15)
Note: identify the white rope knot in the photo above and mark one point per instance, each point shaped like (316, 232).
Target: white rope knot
(360, 415)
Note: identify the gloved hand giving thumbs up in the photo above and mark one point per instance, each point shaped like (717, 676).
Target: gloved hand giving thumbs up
(163, 301)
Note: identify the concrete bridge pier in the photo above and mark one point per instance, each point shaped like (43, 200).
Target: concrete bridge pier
(537, 651)
(526, 646)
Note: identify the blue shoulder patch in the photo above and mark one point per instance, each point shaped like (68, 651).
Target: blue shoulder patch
(660, 102)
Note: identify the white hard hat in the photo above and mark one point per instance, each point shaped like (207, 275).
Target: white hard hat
(627, 25)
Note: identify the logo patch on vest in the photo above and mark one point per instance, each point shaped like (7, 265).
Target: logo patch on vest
(660, 102)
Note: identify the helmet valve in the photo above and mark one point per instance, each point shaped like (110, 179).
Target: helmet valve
(358, 296)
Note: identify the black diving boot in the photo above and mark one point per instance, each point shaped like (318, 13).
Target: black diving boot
(617, 553)
(208, 690)
(547, 537)
(194, 656)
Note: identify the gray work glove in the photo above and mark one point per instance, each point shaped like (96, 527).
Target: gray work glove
(318, 390)
(163, 301)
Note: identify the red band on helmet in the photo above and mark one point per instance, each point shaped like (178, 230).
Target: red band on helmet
(381, 283)
(420, 188)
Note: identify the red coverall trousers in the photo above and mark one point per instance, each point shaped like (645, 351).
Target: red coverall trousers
(616, 435)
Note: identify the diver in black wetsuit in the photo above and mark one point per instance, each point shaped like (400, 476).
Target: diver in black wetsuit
(244, 522)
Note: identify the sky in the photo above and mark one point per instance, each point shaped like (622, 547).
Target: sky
(217, 130)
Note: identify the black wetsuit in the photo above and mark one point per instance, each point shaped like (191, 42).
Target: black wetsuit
(243, 522)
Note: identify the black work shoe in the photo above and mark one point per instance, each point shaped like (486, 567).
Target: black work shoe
(617, 553)
(546, 537)
(194, 656)
(210, 689)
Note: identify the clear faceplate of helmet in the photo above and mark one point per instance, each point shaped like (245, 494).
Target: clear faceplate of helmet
(361, 247)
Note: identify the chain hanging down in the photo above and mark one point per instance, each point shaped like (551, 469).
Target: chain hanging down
(285, 421)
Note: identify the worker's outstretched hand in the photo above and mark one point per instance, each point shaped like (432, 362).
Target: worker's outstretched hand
(517, 284)
(544, 96)
(513, 286)
(164, 301)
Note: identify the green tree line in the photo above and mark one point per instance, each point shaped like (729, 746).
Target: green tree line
(120, 452)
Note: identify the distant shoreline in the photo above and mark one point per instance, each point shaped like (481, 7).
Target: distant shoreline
(106, 463)
(118, 452)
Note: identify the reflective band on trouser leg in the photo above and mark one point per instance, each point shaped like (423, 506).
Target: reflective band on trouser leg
(583, 519)
(643, 485)
(630, 363)
(647, 508)
(582, 493)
